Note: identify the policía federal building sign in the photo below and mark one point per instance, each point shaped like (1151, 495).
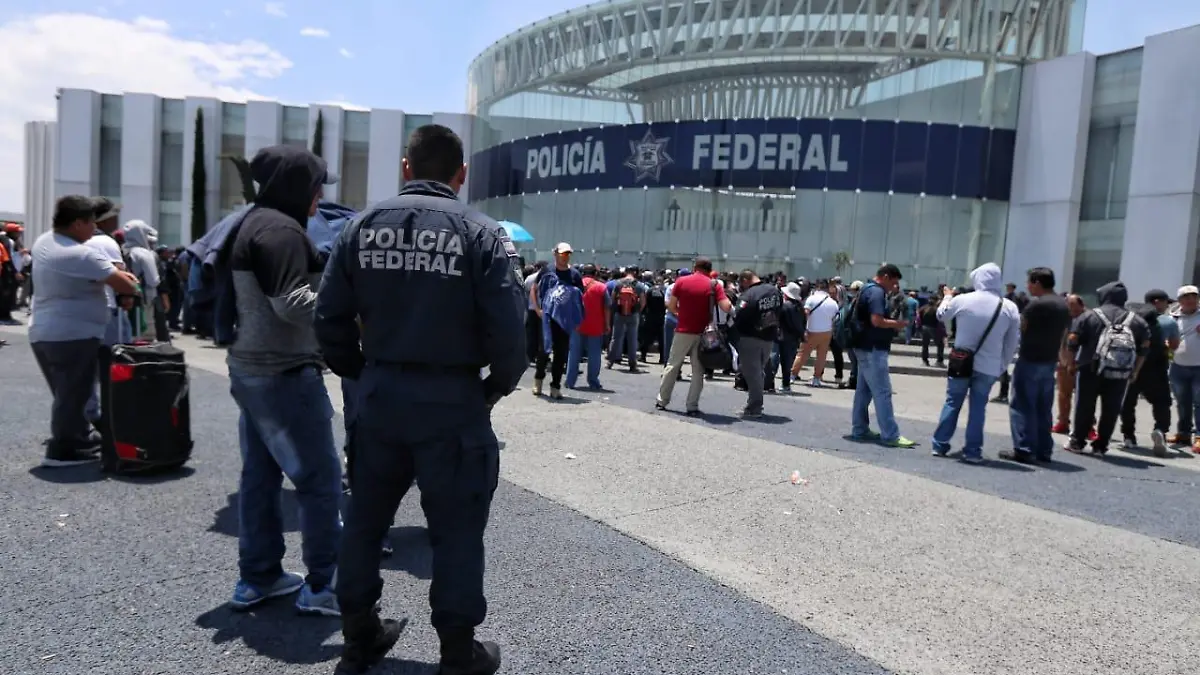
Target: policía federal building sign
(778, 153)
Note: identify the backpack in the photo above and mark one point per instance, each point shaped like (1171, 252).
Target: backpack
(1116, 353)
(656, 299)
(625, 300)
(848, 329)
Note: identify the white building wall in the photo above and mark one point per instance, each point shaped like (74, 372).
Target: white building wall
(77, 167)
(1164, 182)
(461, 125)
(332, 122)
(383, 158)
(1048, 163)
(40, 140)
(212, 149)
(264, 126)
(141, 140)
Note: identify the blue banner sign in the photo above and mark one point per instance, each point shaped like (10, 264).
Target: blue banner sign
(779, 153)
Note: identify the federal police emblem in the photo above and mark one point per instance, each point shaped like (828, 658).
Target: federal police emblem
(649, 157)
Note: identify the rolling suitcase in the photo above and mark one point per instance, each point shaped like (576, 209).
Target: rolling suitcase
(145, 420)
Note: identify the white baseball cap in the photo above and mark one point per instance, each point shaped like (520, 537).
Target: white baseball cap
(1187, 290)
(563, 247)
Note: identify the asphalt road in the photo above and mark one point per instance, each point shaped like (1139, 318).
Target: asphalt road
(127, 576)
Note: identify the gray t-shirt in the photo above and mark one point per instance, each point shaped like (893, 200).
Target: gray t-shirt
(68, 296)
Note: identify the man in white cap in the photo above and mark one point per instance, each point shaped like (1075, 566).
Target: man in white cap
(1185, 367)
(556, 353)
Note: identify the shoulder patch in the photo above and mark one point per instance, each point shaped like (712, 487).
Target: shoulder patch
(509, 247)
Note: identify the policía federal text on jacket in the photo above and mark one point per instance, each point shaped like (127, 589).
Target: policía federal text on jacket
(453, 269)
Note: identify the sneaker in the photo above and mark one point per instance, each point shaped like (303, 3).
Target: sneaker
(1180, 440)
(1071, 446)
(1061, 428)
(386, 547)
(1196, 447)
(1130, 443)
(869, 437)
(900, 442)
(247, 595)
(57, 458)
(752, 414)
(1092, 436)
(815, 382)
(485, 660)
(318, 603)
(537, 387)
(1159, 441)
(556, 393)
(971, 459)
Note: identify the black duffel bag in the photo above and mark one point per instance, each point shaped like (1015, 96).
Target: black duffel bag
(145, 420)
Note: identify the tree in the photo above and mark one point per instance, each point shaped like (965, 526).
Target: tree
(249, 192)
(318, 144)
(199, 224)
(841, 260)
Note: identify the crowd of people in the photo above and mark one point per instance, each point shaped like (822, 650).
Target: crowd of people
(756, 328)
(416, 416)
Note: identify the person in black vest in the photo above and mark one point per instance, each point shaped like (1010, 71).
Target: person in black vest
(653, 317)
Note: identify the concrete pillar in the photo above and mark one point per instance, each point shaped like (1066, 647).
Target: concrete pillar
(386, 150)
(77, 169)
(141, 141)
(1048, 163)
(264, 126)
(1163, 214)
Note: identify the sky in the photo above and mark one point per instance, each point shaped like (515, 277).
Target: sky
(406, 54)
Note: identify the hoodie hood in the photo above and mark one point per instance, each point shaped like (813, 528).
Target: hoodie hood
(288, 179)
(140, 235)
(1113, 293)
(986, 277)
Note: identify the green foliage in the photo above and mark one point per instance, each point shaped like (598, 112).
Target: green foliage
(841, 260)
(318, 143)
(247, 179)
(199, 224)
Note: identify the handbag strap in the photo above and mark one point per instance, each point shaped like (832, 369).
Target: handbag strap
(988, 330)
(712, 302)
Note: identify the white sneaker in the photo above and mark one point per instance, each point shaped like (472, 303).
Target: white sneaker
(1130, 443)
(537, 387)
(815, 382)
(1159, 439)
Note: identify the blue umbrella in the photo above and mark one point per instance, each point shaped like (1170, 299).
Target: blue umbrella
(515, 232)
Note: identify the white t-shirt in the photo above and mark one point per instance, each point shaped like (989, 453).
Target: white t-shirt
(822, 310)
(107, 246)
(68, 295)
(1188, 353)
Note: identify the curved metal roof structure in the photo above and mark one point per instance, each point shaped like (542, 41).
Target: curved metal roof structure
(709, 58)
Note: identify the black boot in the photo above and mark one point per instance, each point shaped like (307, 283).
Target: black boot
(368, 640)
(462, 654)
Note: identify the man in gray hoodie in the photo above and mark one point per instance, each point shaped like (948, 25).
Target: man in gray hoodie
(988, 327)
(1097, 378)
(140, 240)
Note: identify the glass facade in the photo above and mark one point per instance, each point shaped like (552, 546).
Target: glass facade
(791, 227)
(109, 176)
(356, 139)
(295, 126)
(233, 144)
(1107, 170)
(170, 173)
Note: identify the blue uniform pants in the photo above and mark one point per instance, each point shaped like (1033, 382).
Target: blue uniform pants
(436, 429)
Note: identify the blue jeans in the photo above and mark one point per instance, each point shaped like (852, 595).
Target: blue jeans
(974, 390)
(1185, 383)
(669, 325)
(1031, 412)
(874, 384)
(624, 338)
(286, 428)
(593, 345)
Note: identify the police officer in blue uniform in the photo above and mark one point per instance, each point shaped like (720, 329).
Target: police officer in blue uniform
(438, 289)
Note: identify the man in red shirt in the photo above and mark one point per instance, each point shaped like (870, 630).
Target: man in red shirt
(693, 299)
(589, 337)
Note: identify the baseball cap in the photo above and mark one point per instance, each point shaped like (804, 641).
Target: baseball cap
(1187, 290)
(563, 247)
(1157, 294)
(104, 208)
(683, 272)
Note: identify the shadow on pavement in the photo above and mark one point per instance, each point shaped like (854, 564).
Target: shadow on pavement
(1129, 462)
(91, 473)
(225, 520)
(412, 552)
(275, 631)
